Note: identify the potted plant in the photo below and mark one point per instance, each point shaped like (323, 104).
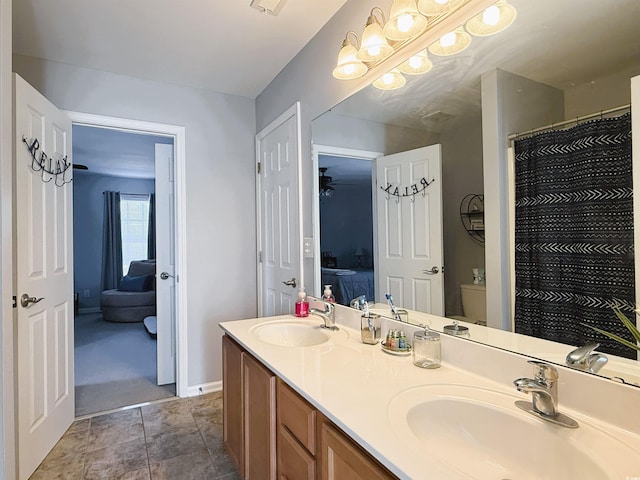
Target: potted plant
(629, 325)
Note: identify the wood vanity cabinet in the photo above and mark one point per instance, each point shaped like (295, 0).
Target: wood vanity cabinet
(249, 413)
(270, 431)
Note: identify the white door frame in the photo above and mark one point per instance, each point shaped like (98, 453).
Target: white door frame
(318, 150)
(293, 111)
(179, 134)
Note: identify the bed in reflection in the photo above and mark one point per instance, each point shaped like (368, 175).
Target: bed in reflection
(349, 284)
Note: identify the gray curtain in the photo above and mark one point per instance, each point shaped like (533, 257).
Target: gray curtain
(151, 236)
(111, 242)
(574, 233)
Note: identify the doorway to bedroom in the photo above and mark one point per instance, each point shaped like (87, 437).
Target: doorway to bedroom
(346, 219)
(115, 251)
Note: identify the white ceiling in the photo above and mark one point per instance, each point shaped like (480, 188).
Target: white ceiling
(210, 44)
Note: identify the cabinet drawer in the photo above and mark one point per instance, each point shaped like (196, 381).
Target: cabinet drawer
(294, 462)
(297, 416)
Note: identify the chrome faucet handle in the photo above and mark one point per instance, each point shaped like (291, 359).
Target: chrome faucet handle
(543, 372)
(580, 355)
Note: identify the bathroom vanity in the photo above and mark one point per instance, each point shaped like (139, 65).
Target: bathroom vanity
(303, 402)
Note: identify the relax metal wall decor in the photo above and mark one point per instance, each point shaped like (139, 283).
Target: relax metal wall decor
(407, 191)
(46, 165)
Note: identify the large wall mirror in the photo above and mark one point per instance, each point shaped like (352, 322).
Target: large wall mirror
(581, 54)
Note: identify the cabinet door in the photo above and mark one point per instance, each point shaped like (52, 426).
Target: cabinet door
(232, 401)
(297, 416)
(344, 460)
(294, 462)
(259, 420)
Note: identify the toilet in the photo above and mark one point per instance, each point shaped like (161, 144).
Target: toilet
(474, 304)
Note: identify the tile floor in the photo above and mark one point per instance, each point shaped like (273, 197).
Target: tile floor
(179, 440)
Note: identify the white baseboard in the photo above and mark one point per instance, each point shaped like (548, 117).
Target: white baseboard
(82, 311)
(195, 390)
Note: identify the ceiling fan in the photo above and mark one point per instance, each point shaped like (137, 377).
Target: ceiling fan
(325, 182)
(79, 166)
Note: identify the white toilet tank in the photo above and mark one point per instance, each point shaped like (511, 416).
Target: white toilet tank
(474, 301)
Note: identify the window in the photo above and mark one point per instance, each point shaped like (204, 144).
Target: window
(134, 212)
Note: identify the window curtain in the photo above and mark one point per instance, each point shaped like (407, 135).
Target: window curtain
(111, 242)
(574, 233)
(151, 236)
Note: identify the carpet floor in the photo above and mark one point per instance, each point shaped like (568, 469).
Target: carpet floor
(115, 365)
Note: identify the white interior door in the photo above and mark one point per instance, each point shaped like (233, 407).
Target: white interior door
(44, 250)
(279, 262)
(165, 264)
(409, 229)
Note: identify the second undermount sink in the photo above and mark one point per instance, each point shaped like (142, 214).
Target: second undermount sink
(293, 333)
(481, 434)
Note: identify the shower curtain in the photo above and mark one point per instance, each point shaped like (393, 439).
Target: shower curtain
(574, 233)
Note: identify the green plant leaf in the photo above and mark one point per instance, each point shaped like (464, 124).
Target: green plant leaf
(627, 323)
(615, 337)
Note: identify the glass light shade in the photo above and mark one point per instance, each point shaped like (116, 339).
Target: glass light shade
(390, 80)
(374, 46)
(492, 20)
(451, 43)
(417, 64)
(349, 66)
(405, 21)
(432, 8)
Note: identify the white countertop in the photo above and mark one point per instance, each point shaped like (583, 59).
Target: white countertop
(353, 384)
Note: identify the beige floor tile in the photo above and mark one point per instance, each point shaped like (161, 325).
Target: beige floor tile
(115, 428)
(195, 466)
(116, 461)
(166, 445)
(172, 417)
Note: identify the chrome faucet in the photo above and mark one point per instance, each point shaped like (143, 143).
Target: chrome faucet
(544, 394)
(359, 302)
(583, 358)
(328, 315)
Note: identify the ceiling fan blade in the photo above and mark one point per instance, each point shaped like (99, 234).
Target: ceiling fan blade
(79, 166)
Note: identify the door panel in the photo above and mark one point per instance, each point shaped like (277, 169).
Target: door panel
(165, 263)
(409, 229)
(279, 216)
(44, 269)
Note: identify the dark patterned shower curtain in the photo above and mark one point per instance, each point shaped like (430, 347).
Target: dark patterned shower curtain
(574, 233)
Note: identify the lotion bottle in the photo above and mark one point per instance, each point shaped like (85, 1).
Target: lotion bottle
(327, 295)
(302, 306)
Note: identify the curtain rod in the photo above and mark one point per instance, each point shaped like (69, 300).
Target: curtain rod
(577, 120)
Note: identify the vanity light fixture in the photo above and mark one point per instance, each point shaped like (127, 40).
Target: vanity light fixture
(416, 64)
(374, 46)
(391, 80)
(432, 8)
(451, 43)
(349, 66)
(492, 20)
(405, 21)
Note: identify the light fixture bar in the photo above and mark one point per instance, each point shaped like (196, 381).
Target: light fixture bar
(269, 6)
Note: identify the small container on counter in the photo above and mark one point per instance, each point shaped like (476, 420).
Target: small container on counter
(370, 328)
(426, 349)
(456, 330)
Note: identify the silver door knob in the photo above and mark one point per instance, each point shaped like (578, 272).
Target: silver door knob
(433, 271)
(165, 276)
(291, 283)
(26, 300)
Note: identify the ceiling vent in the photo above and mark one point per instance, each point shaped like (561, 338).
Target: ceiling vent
(270, 6)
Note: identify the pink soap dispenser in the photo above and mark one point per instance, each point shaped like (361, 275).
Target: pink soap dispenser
(302, 306)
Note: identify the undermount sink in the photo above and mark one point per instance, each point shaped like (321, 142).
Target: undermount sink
(293, 333)
(481, 434)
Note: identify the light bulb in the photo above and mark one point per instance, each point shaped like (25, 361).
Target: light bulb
(416, 62)
(349, 70)
(405, 22)
(387, 78)
(448, 39)
(491, 16)
(442, 2)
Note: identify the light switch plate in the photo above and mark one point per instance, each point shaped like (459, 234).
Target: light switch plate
(307, 247)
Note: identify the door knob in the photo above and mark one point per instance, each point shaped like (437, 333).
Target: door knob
(291, 283)
(433, 271)
(165, 276)
(26, 300)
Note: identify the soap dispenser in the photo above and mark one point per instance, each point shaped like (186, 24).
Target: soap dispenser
(327, 295)
(302, 305)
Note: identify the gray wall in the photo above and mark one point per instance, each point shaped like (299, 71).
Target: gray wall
(88, 216)
(219, 171)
